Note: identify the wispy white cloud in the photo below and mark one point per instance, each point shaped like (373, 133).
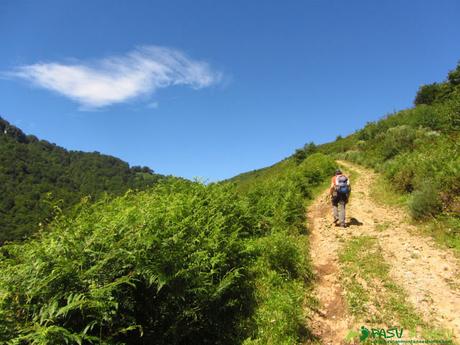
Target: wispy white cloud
(118, 79)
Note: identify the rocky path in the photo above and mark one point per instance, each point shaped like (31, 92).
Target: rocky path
(428, 274)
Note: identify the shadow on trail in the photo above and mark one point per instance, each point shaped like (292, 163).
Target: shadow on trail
(354, 221)
(307, 336)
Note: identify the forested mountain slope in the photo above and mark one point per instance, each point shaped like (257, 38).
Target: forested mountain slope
(35, 175)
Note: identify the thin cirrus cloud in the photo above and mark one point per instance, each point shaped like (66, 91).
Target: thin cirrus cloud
(119, 79)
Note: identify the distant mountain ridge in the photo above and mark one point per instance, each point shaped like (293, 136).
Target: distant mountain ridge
(33, 172)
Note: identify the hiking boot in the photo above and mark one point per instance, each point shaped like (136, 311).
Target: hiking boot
(343, 225)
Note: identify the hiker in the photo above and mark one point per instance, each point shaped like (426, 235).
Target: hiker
(340, 191)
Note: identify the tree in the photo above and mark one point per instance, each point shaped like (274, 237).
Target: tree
(310, 148)
(427, 94)
(299, 156)
(454, 76)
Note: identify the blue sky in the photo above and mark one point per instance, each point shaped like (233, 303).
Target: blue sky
(215, 88)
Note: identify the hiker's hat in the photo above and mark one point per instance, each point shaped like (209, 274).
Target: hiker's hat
(338, 172)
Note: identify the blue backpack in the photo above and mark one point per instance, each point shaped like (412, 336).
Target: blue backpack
(342, 185)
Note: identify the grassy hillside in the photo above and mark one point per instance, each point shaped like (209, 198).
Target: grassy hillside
(280, 169)
(34, 174)
(245, 180)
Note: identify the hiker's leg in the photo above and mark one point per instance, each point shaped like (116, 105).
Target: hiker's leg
(335, 211)
(342, 212)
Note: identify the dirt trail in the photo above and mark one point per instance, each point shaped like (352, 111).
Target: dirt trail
(429, 274)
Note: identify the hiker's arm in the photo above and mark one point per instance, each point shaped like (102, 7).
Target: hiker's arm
(331, 189)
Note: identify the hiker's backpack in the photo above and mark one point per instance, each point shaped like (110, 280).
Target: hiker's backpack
(341, 185)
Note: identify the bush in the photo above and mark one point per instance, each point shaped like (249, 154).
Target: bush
(275, 205)
(283, 255)
(282, 268)
(166, 266)
(316, 169)
(401, 172)
(396, 140)
(299, 156)
(427, 94)
(425, 202)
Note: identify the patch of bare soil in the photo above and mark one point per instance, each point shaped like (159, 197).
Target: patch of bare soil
(429, 274)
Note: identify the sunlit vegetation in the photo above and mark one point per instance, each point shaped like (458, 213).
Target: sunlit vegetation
(418, 152)
(373, 296)
(36, 174)
(179, 263)
(125, 256)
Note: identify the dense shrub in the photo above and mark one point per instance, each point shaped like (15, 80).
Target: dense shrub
(299, 156)
(283, 254)
(282, 269)
(166, 266)
(275, 205)
(401, 171)
(395, 141)
(439, 92)
(427, 94)
(314, 171)
(425, 202)
(279, 317)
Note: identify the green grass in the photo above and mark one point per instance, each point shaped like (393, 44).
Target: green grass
(445, 230)
(383, 192)
(248, 179)
(372, 295)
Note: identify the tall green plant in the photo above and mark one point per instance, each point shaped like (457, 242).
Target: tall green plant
(166, 266)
